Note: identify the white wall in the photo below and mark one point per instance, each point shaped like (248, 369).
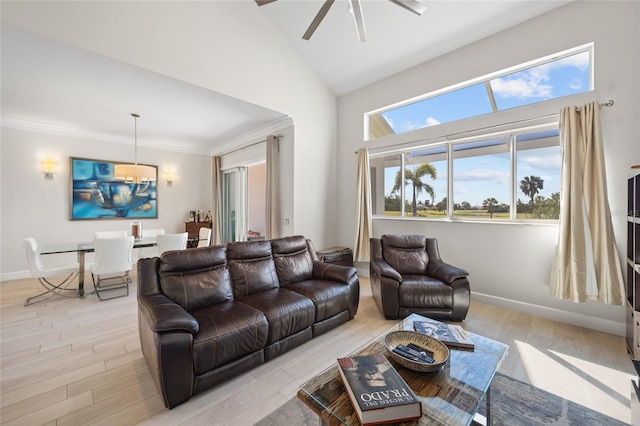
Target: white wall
(510, 263)
(226, 46)
(35, 207)
(257, 175)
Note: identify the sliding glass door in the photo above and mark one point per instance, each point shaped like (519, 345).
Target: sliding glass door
(234, 205)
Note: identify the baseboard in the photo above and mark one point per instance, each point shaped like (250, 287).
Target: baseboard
(579, 320)
(19, 275)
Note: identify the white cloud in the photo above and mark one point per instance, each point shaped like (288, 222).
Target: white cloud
(409, 125)
(460, 189)
(525, 85)
(542, 162)
(432, 121)
(530, 83)
(580, 60)
(576, 84)
(483, 175)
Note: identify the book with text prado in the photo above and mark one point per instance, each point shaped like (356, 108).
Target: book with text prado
(377, 392)
(450, 334)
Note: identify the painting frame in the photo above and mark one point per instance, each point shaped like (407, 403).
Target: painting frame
(96, 194)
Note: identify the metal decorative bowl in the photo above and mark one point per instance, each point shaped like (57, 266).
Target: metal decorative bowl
(439, 349)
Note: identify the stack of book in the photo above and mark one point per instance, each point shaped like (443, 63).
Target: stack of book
(378, 393)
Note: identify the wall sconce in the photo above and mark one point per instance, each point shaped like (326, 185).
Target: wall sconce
(169, 176)
(48, 167)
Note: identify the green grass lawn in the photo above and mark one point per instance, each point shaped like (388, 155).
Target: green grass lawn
(460, 214)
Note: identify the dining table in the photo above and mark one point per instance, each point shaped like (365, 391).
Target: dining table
(85, 247)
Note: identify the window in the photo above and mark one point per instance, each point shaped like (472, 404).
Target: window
(512, 176)
(563, 74)
(425, 182)
(494, 175)
(482, 179)
(539, 163)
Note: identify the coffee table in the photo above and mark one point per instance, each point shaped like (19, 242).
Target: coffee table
(450, 396)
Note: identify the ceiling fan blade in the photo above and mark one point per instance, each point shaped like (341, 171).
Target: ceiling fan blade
(319, 17)
(356, 11)
(411, 5)
(263, 2)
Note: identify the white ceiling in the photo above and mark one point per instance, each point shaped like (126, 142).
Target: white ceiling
(52, 83)
(48, 82)
(396, 38)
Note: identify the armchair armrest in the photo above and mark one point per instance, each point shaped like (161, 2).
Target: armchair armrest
(329, 271)
(383, 269)
(445, 272)
(166, 315)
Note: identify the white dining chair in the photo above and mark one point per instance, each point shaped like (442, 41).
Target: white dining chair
(148, 251)
(168, 242)
(111, 269)
(204, 237)
(44, 274)
(152, 232)
(109, 234)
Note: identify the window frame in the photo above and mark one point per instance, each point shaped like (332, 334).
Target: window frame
(486, 80)
(548, 123)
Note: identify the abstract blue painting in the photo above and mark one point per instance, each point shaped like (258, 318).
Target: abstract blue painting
(97, 194)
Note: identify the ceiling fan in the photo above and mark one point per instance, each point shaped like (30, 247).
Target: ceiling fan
(356, 11)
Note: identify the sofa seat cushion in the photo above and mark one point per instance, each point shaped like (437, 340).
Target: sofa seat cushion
(228, 331)
(287, 311)
(419, 291)
(329, 297)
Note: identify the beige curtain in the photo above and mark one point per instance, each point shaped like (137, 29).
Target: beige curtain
(273, 188)
(216, 213)
(586, 263)
(363, 208)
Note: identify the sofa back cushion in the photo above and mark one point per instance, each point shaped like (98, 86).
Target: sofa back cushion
(407, 254)
(196, 278)
(251, 267)
(292, 258)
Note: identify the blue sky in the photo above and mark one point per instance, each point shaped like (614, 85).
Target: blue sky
(563, 77)
(477, 178)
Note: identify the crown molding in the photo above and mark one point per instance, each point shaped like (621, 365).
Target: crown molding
(252, 136)
(258, 134)
(99, 136)
(51, 129)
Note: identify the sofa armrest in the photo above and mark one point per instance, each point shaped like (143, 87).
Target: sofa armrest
(329, 271)
(166, 315)
(383, 269)
(445, 272)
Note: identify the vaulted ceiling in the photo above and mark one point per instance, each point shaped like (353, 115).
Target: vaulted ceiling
(48, 82)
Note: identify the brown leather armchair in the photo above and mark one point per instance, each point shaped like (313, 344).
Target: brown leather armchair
(408, 276)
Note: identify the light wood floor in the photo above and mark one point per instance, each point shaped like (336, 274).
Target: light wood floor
(78, 362)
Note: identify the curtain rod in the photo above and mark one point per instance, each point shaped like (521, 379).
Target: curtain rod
(608, 103)
(279, 136)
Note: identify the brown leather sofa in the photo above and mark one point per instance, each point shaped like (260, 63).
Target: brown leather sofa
(208, 314)
(408, 276)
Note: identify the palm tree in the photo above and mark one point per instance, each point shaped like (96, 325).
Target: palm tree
(489, 204)
(530, 186)
(415, 177)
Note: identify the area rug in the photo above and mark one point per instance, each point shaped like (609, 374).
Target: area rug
(513, 403)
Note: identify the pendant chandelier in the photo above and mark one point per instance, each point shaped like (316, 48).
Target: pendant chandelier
(134, 172)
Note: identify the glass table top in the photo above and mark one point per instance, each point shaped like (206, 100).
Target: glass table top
(450, 396)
